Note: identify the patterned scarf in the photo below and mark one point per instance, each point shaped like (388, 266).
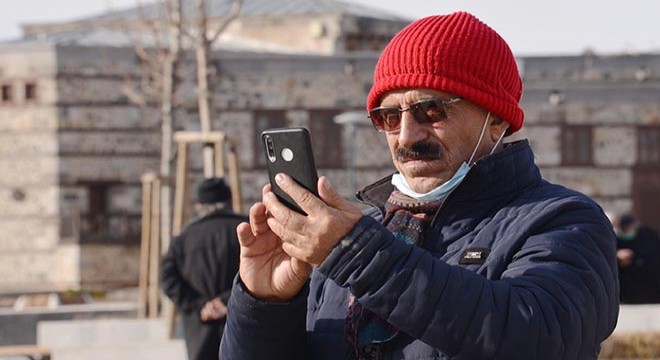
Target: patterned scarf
(408, 219)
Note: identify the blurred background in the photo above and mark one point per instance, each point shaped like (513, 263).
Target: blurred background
(111, 111)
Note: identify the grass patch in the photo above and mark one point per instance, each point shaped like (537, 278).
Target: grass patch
(644, 345)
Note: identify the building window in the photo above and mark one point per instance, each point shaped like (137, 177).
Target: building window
(7, 93)
(100, 223)
(265, 120)
(30, 92)
(648, 145)
(326, 138)
(576, 145)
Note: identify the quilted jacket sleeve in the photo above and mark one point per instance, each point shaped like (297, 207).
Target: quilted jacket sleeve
(556, 298)
(264, 330)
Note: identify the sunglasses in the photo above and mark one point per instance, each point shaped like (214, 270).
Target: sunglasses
(388, 118)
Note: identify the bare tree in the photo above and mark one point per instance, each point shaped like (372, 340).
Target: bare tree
(203, 39)
(160, 62)
(158, 87)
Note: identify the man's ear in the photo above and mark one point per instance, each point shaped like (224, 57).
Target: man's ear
(497, 127)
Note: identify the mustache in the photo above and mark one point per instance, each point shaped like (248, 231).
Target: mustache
(420, 151)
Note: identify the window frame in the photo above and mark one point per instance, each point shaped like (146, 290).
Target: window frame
(331, 144)
(572, 140)
(30, 91)
(7, 93)
(648, 146)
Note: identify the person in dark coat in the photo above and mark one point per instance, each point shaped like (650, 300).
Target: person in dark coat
(466, 252)
(638, 257)
(199, 267)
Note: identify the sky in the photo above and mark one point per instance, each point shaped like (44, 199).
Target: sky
(552, 27)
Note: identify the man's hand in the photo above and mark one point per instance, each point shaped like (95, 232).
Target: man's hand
(268, 272)
(310, 238)
(213, 310)
(625, 257)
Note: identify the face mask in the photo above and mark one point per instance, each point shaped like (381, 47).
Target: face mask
(443, 190)
(438, 193)
(627, 236)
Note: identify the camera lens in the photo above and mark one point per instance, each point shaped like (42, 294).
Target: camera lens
(270, 148)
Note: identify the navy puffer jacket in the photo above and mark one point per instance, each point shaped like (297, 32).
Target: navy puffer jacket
(516, 268)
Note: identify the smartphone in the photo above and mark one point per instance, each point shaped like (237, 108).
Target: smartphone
(289, 151)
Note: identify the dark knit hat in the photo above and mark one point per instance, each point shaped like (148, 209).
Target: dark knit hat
(626, 220)
(213, 190)
(454, 53)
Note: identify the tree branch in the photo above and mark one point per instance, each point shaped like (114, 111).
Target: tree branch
(233, 15)
(148, 60)
(133, 95)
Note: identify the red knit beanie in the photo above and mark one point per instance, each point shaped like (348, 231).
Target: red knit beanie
(454, 53)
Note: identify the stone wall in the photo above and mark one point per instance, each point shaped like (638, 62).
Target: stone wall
(102, 138)
(53, 269)
(110, 265)
(303, 34)
(83, 130)
(30, 255)
(611, 95)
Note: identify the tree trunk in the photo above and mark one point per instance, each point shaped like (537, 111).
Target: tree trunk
(203, 43)
(204, 91)
(167, 115)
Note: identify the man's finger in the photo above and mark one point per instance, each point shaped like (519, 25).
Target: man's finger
(329, 195)
(265, 189)
(293, 250)
(283, 221)
(245, 235)
(258, 218)
(307, 201)
(285, 231)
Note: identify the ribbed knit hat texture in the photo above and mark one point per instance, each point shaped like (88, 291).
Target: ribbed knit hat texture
(454, 53)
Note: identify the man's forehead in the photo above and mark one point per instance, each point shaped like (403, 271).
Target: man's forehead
(410, 95)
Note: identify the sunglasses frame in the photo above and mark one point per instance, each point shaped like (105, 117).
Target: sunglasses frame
(414, 108)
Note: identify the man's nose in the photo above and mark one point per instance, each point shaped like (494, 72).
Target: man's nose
(411, 132)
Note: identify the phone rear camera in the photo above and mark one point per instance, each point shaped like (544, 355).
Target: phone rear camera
(270, 148)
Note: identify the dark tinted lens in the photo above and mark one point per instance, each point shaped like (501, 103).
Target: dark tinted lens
(424, 112)
(385, 119)
(428, 111)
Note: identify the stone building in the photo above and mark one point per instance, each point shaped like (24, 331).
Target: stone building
(74, 147)
(594, 122)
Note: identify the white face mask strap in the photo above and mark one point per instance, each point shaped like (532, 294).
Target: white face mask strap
(498, 142)
(483, 129)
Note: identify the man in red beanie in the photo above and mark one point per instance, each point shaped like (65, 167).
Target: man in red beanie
(465, 252)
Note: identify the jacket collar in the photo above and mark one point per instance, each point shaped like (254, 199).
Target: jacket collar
(505, 171)
(222, 212)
